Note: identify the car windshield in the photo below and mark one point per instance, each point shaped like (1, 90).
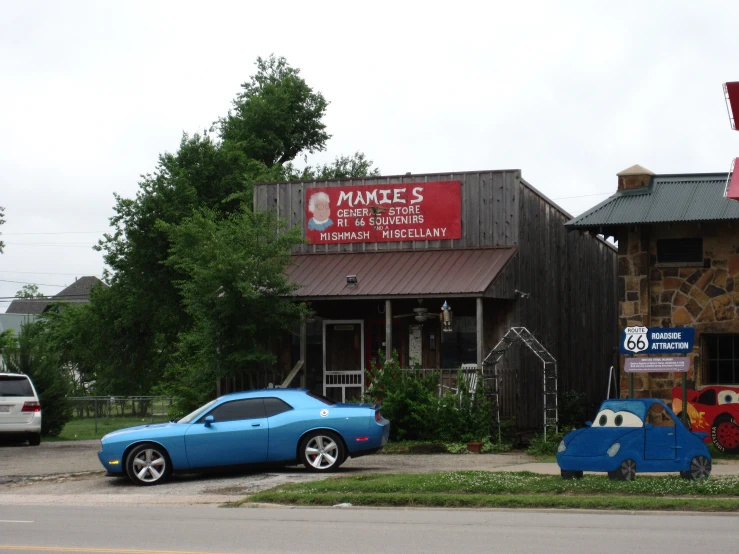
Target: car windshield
(194, 415)
(15, 386)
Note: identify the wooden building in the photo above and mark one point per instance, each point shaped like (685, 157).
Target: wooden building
(384, 254)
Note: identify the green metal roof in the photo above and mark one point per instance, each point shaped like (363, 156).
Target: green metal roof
(668, 198)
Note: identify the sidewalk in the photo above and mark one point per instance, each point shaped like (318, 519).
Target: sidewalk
(720, 468)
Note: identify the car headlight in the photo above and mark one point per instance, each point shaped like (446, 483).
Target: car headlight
(613, 450)
(562, 446)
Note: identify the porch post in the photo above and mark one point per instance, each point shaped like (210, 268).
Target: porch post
(303, 341)
(479, 333)
(388, 330)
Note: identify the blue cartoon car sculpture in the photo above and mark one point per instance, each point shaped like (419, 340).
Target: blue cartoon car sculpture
(271, 426)
(633, 435)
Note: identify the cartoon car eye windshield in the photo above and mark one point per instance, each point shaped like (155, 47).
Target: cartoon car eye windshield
(609, 418)
(728, 397)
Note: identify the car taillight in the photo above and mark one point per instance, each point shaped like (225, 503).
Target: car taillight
(31, 407)
(378, 415)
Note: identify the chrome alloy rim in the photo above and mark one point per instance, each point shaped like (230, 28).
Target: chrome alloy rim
(321, 452)
(149, 465)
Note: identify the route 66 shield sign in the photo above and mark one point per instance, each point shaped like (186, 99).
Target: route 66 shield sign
(635, 339)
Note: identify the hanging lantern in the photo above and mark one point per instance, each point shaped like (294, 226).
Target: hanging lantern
(446, 318)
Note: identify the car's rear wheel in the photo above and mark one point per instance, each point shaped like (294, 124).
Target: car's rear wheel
(321, 451)
(35, 439)
(148, 464)
(625, 472)
(700, 468)
(725, 434)
(567, 474)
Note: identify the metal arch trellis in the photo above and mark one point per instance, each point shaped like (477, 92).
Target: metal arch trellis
(521, 334)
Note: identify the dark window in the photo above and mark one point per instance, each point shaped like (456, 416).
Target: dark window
(721, 356)
(460, 346)
(274, 406)
(15, 386)
(251, 408)
(670, 251)
(321, 398)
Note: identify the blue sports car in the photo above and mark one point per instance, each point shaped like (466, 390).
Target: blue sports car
(271, 426)
(634, 434)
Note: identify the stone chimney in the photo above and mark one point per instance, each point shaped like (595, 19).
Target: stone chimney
(635, 177)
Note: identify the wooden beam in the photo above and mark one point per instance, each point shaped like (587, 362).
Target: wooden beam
(480, 335)
(388, 330)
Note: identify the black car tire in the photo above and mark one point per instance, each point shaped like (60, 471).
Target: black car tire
(625, 472)
(321, 451)
(567, 474)
(700, 468)
(34, 440)
(148, 464)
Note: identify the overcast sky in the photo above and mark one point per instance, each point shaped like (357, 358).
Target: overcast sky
(569, 92)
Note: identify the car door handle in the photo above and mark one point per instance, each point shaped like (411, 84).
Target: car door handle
(670, 434)
(256, 424)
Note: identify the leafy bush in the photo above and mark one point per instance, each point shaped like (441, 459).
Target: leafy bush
(572, 410)
(411, 402)
(540, 447)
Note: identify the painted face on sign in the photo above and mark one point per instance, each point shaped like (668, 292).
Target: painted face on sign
(320, 206)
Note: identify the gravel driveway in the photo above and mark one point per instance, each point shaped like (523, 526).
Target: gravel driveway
(70, 473)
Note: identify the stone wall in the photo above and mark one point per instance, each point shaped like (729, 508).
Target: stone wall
(702, 296)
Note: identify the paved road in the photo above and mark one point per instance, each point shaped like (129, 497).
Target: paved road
(70, 473)
(149, 529)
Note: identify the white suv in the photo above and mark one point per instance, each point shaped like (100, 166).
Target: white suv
(20, 410)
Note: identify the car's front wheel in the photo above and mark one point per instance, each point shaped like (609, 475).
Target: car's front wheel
(322, 451)
(625, 472)
(148, 464)
(700, 468)
(567, 474)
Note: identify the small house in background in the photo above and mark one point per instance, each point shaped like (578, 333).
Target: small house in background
(76, 293)
(439, 267)
(678, 266)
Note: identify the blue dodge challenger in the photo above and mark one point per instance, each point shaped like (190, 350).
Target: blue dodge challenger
(633, 435)
(271, 426)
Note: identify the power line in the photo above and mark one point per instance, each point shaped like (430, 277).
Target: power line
(46, 273)
(26, 283)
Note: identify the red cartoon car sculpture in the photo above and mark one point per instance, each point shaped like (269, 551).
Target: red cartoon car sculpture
(714, 410)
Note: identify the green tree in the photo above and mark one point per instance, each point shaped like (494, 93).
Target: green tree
(29, 291)
(277, 116)
(236, 293)
(147, 327)
(33, 355)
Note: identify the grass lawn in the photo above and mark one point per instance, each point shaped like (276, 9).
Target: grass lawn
(84, 428)
(503, 489)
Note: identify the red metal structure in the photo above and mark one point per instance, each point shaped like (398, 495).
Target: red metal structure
(731, 95)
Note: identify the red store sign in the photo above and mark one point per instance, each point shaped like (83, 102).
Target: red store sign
(383, 213)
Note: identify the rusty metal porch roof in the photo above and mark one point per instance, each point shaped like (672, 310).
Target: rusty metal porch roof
(398, 274)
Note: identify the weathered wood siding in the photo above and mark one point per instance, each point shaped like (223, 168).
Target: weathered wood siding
(489, 209)
(571, 310)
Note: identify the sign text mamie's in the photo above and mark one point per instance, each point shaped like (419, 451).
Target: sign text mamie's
(383, 213)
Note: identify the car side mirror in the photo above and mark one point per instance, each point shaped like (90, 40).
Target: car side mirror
(208, 420)
(648, 426)
(588, 423)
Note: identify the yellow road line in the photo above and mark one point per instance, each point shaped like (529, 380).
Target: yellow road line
(106, 550)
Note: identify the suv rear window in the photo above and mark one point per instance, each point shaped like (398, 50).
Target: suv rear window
(15, 386)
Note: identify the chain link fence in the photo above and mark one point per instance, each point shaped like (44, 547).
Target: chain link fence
(134, 410)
